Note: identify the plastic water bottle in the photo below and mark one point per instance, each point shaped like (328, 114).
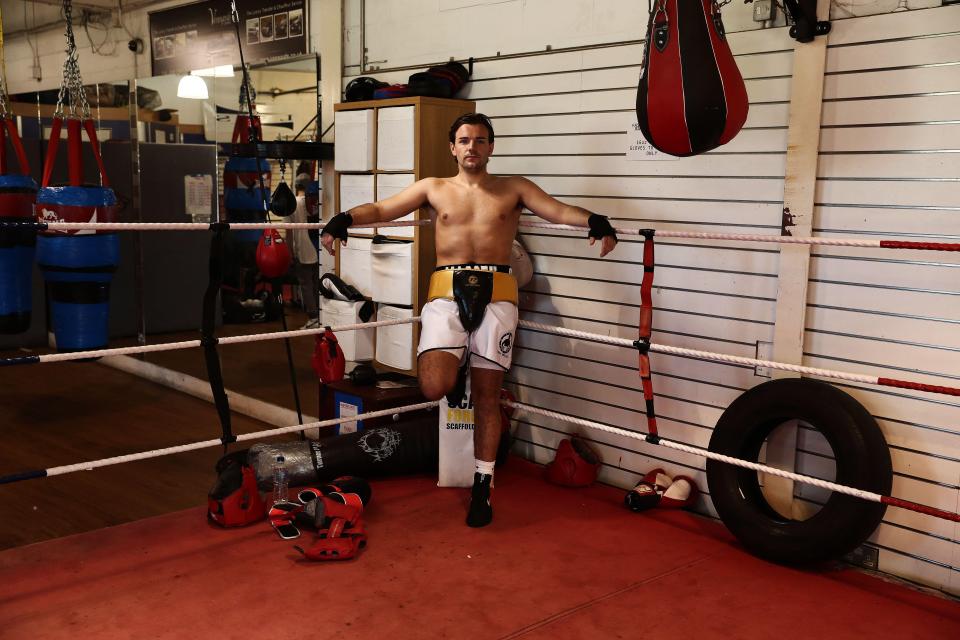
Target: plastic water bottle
(281, 481)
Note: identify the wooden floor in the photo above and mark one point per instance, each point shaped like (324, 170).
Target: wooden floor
(66, 413)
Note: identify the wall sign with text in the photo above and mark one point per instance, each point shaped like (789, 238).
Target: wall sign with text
(201, 35)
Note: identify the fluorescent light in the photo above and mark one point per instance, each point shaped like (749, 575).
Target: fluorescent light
(221, 71)
(192, 87)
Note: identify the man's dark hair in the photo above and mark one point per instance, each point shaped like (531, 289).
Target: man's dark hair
(471, 118)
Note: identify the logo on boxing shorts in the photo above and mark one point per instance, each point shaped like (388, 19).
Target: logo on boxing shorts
(473, 281)
(506, 343)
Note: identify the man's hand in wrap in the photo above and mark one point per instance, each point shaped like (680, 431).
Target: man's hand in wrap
(335, 230)
(600, 229)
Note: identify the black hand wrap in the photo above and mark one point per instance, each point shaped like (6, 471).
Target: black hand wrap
(338, 225)
(600, 227)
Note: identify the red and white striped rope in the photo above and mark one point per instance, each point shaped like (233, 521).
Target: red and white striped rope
(205, 226)
(834, 242)
(526, 324)
(156, 453)
(239, 226)
(191, 344)
(754, 466)
(752, 362)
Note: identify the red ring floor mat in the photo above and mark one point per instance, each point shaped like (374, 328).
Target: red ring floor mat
(555, 563)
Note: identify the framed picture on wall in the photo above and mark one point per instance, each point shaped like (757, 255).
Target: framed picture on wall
(266, 29)
(280, 25)
(201, 34)
(296, 22)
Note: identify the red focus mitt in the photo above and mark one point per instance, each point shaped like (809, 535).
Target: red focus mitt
(575, 465)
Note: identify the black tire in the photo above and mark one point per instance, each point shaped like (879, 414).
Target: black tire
(862, 461)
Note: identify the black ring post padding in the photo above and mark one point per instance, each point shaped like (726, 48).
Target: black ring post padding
(23, 475)
(9, 362)
(207, 337)
(648, 233)
(652, 438)
(219, 226)
(642, 345)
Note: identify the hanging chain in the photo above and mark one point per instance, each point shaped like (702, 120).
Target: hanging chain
(247, 91)
(71, 87)
(4, 98)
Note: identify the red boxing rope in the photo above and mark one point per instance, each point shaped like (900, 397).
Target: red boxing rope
(920, 508)
(645, 327)
(918, 386)
(924, 246)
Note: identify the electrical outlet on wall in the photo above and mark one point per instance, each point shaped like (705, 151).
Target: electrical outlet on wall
(762, 10)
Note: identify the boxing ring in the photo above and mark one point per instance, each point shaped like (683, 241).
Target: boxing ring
(643, 345)
(421, 560)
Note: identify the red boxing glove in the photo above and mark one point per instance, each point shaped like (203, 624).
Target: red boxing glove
(576, 465)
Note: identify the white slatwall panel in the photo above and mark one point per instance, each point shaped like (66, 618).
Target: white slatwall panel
(888, 128)
(889, 166)
(561, 120)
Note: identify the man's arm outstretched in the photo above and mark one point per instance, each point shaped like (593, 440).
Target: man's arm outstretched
(407, 201)
(552, 210)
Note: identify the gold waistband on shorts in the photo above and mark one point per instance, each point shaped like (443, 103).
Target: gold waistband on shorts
(504, 286)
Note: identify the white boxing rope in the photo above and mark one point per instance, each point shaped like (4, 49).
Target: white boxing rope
(817, 482)
(157, 453)
(834, 242)
(698, 235)
(203, 226)
(704, 355)
(191, 344)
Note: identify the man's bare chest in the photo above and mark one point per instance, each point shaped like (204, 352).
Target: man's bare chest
(475, 208)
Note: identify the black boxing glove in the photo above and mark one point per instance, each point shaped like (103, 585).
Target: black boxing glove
(338, 225)
(600, 227)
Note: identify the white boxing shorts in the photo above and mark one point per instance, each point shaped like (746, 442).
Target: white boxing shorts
(490, 346)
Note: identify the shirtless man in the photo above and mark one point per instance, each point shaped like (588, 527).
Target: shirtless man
(471, 318)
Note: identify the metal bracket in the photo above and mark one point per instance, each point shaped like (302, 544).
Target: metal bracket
(805, 25)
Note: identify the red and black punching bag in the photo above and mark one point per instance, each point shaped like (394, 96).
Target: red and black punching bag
(273, 254)
(691, 97)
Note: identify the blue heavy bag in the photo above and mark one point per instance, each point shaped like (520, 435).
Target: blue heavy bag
(78, 266)
(17, 195)
(243, 199)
